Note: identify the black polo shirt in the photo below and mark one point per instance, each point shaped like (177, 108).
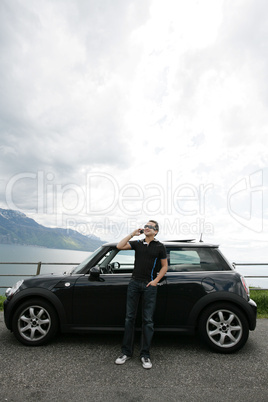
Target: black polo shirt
(147, 259)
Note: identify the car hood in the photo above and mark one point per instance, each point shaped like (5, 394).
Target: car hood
(49, 281)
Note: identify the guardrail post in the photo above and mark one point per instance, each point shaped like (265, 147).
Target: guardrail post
(38, 268)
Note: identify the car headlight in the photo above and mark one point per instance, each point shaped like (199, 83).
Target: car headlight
(11, 291)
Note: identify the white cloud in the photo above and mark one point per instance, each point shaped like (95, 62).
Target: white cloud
(167, 97)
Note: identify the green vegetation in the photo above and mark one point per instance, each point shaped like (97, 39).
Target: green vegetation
(261, 298)
(2, 298)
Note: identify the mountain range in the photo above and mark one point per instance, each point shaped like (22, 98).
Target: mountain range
(17, 228)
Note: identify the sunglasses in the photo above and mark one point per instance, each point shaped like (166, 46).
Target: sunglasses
(149, 227)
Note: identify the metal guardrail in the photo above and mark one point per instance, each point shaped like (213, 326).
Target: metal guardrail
(247, 264)
(39, 266)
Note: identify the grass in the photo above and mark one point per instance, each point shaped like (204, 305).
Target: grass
(2, 298)
(259, 296)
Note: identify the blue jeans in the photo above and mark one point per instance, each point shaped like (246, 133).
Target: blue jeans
(136, 289)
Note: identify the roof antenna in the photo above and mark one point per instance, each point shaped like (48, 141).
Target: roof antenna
(201, 241)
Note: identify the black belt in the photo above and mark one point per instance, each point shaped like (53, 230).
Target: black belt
(140, 280)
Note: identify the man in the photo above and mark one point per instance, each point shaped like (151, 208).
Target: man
(149, 267)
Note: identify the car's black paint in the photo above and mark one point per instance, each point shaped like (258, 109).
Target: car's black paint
(90, 300)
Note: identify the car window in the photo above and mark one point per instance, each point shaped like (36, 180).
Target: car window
(118, 261)
(194, 259)
(80, 267)
(125, 258)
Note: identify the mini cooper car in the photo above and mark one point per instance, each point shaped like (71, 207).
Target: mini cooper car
(201, 292)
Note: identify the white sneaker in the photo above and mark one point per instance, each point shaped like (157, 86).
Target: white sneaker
(146, 363)
(122, 359)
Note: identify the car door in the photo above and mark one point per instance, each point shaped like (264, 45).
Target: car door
(101, 302)
(186, 271)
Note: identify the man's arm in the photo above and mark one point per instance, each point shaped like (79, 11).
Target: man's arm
(124, 243)
(162, 272)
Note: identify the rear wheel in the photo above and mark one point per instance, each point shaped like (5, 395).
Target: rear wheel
(224, 327)
(35, 322)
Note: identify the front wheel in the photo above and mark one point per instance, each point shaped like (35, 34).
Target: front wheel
(224, 327)
(35, 322)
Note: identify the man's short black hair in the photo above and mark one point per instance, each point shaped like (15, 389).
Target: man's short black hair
(155, 224)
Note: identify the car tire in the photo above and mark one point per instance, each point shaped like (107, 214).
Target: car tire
(35, 322)
(224, 327)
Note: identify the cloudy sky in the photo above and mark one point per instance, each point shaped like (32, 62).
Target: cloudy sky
(116, 111)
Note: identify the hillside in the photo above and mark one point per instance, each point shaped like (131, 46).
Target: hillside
(17, 228)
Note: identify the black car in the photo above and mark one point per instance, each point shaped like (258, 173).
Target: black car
(200, 292)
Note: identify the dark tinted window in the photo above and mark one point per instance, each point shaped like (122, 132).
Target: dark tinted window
(194, 259)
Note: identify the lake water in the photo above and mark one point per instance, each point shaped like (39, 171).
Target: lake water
(16, 253)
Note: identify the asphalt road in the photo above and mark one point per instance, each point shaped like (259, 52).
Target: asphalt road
(81, 368)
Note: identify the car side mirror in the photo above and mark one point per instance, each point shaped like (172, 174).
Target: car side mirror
(94, 273)
(116, 265)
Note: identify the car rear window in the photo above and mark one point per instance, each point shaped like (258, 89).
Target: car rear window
(194, 259)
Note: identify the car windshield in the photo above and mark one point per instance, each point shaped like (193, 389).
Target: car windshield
(86, 261)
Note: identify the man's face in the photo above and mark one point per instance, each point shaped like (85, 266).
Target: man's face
(149, 229)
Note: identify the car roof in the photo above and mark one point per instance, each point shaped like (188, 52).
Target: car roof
(176, 243)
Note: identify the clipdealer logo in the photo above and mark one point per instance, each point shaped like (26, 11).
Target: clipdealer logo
(245, 201)
(101, 194)
(181, 205)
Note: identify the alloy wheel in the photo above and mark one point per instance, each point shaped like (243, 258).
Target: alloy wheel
(34, 323)
(224, 328)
